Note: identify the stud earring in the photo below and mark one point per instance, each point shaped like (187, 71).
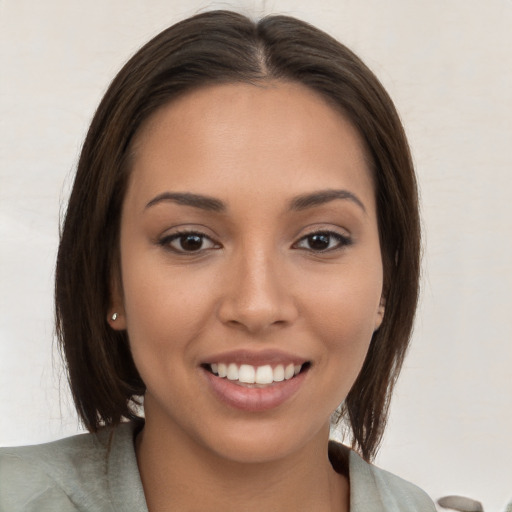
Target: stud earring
(114, 317)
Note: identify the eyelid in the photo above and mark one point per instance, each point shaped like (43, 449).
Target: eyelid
(343, 240)
(166, 240)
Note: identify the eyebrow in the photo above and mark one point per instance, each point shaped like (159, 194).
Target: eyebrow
(299, 203)
(321, 197)
(184, 198)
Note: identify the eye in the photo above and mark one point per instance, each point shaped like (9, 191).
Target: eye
(188, 242)
(323, 241)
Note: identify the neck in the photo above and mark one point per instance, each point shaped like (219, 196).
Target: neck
(178, 475)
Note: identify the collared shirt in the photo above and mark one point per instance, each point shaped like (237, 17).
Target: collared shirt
(99, 473)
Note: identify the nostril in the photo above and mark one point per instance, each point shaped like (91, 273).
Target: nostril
(256, 302)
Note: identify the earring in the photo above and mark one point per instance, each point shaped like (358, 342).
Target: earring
(114, 317)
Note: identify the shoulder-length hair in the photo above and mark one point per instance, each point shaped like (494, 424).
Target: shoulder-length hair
(212, 48)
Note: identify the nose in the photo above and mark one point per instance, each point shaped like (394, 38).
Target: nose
(258, 293)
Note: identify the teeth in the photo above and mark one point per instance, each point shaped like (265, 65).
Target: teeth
(264, 375)
(279, 373)
(256, 375)
(289, 371)
(247, 374)
(232, 372)
(222, 370)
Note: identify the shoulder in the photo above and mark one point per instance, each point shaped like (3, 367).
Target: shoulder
(57, 474)
(373, 488)
(65, 475)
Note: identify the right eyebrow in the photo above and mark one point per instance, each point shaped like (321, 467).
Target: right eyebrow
(306, 201)
(187, 199)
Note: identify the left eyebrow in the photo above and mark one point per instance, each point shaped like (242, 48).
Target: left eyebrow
(186, 199)
(306, 201)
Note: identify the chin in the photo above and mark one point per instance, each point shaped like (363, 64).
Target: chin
(260, 444)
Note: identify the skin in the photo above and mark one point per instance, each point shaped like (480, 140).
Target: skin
(255, 280)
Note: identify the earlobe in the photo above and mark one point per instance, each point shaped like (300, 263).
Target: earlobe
(380, 313)
(116, 320)
(116, 317)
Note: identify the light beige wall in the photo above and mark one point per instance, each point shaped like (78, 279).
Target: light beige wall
(447, 64)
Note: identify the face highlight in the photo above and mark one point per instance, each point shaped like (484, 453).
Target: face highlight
(251, 267)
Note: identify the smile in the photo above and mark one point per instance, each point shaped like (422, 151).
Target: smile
(269, 382)
(258, 375)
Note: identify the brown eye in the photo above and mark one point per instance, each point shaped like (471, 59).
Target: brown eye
(188, 242)
(323, 241)
(319, 242)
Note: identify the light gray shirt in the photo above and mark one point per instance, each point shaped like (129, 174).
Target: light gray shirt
(99, 473)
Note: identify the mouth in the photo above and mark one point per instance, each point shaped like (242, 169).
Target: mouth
(255, 382)
(252, 376)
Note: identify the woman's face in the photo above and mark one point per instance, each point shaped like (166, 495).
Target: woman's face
(249, 245)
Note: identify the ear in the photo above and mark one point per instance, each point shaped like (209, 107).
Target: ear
(116, 316)
(116, 319)
(380, 313)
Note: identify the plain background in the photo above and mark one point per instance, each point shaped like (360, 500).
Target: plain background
(448, 66)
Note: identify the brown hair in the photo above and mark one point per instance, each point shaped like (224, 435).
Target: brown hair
(222, 47)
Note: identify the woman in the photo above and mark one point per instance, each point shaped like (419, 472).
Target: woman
(240, 256)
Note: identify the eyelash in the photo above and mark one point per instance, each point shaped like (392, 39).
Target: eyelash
(340, 241)
(180, 236)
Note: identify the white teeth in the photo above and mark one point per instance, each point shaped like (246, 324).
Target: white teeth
(289, 371)
(264, 374)
(279, 373)
(248, 374)
(222, 370)
(232, 372)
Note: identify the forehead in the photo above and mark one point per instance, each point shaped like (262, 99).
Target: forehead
(271, 134)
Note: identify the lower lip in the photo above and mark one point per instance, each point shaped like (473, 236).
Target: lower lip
(254, 399)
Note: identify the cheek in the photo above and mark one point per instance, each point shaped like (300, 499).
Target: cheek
(347, 334)
(344, 312)
(157, 327)
(165, 308)
(347, 306)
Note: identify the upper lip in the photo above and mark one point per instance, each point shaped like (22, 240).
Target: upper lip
(255, 358)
